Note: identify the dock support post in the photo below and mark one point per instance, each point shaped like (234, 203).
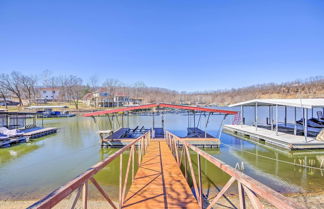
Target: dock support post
(256, 116)
(295, 119)
(285, 116)
(207, 124)
(305, 123)
(271, 116)
(162, 120)
(241, 114)
(153, 119)
(277, 120)
(194, 114)
(221, 127)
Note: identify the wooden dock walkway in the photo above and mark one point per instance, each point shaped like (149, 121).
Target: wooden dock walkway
(159, 182)
(39, 132)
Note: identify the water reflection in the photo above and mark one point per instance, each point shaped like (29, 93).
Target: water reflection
(33, 170)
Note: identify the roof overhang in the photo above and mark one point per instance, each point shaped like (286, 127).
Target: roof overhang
(150, 106)
(302, 103)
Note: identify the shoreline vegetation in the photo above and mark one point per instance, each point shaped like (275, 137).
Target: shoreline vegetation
(78, 94)
(313, 200)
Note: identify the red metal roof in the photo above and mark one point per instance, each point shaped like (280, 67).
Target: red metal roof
(198, 109)
(149, 106)
(125, 109)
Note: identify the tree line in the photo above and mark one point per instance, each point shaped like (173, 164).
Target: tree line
(73, 88)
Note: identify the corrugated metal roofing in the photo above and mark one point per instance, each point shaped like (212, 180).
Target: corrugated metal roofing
(302, 103)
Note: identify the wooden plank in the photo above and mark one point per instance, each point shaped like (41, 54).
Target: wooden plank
(273, 197)
(159, 182)
(56, 196)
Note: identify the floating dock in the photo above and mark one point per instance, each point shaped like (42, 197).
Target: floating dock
(124, 136)
(283, 140)
(38, 132)
(9, 141)
(159, 182)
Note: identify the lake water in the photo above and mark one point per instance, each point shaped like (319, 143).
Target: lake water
(32, 170)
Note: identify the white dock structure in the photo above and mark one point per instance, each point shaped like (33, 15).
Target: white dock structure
(276, 133)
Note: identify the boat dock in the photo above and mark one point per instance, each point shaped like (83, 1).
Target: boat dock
(164, 175)
(124, 136)
(159, 182)
(283, 140)
(38, 132)
(301, 134)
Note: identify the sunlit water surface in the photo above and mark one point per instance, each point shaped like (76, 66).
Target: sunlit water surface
(32, 170)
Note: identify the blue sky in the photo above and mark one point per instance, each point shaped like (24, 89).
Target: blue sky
(182, 45)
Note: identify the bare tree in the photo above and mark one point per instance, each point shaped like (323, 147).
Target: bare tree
(93, 82)
(75, 89)
(4, 94)
(112, 85)
(12, 83)
(28, 87)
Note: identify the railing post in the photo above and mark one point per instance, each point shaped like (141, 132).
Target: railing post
(192, 174)
(241, 195)
(185, 162)
(176, 151)
(126, 175)
(85, 195)
(139, 152)
(199, 182)
(133, 162)
(120, 180)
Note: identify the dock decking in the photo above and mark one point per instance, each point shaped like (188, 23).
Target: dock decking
(287, 141)
(35, 133)
(159, 182)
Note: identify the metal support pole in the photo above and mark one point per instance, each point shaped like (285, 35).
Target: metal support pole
(305, 122)
(295, 124)
(221, 128)
(285, 116)
(256, 116)
(153, 119)
(194, 114)
(122, 117)
(276, 119)
(268, 122)
(241, 114)
(207, 125)
(271, 118)
(162, 120)
(188, 120)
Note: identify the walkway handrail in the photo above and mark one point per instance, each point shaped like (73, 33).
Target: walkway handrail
(246, 184)
(81, 182)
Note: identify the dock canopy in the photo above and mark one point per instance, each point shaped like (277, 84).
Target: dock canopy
(150, 106)
(302, 103)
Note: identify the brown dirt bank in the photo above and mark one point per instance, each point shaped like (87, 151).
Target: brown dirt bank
(309, 200)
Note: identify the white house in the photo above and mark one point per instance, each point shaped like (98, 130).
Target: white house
(49, 93)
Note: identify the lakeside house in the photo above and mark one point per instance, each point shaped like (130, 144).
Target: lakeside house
(49, 94)
(102, 98)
